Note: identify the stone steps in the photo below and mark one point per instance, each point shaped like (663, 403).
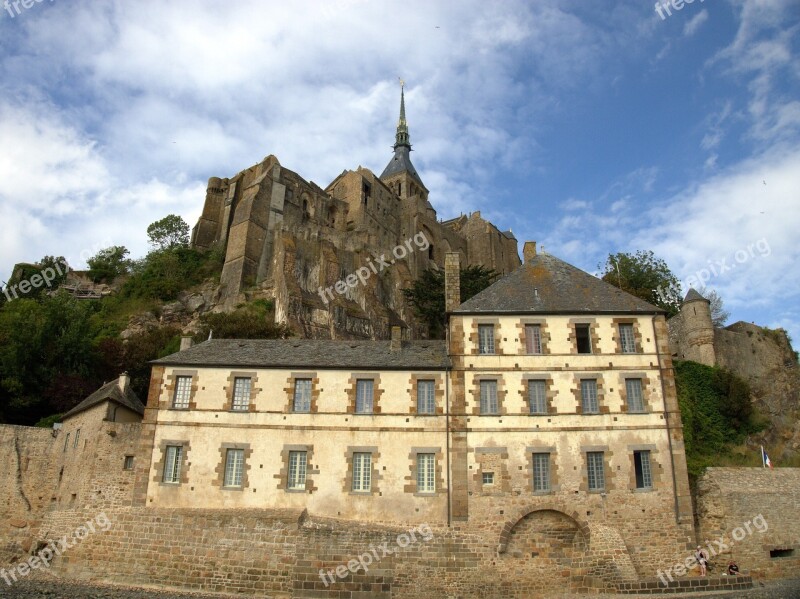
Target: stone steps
(655, 586)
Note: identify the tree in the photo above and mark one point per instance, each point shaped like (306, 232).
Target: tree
(719, 315)
(168, 233)
(644, 275)
(109, 263)
(426, 294)
(255, 320)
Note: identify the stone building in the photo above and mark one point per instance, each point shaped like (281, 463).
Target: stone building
(291, 239)
(547, 424)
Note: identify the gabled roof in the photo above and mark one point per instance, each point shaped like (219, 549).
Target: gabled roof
(312, 353)
(547, 285)
(109, 392)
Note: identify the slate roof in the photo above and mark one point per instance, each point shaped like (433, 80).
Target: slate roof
(401, 163)
(547, 285)
(111, 392)
(312, 353)
(693, 295)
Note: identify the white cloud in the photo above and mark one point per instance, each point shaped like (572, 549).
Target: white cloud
(695, 23)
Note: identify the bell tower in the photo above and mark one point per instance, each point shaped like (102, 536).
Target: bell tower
(400, 175)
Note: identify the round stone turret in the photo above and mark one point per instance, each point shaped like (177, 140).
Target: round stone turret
(698, 329)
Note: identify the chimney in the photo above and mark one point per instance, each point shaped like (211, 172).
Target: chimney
(124, 381)
(452, 281)
(186, 342)
(528, 251)
(397, 339)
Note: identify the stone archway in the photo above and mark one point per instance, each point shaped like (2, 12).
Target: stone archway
(523, 514)
(548, 536)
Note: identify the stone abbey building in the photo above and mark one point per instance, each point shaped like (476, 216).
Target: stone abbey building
(291, 238)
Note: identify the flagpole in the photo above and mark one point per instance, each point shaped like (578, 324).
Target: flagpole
(763, 461)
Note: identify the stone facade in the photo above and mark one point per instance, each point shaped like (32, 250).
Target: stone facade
(753, 512)
(292, 240)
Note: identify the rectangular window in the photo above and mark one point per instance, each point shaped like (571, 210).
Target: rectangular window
(66, 442)
(302, 395)
(183, 391)
(533, 338)
(641, 464)
(77, 438)
(297, 470)
(485, 338)
(541, 472)
(241, 393)
(634, 392)
(583, 338)
(595, 468)
(426, 473)
(362, 472)
(537, 397)
(589, 396)
(128, 463)
(627, 339)
(364, 396)
(488, 478)
(425, 397)
(234, 465)
(172, 464)
(489, 397)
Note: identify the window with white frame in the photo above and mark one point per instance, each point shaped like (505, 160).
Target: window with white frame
(537, 397)
(533, 338)
(541, 472)
(641, 465)
(426, 473)
(66, 442)
(241, 393)
(633, 388)
(297, 470)
(172, 464)
(362, 472)
(487, 478)
(183, 392)
(77, 438)
(596, 471)
(364, 390)
(128, 463)
(485, 338)
(627, 339)
(489, 397)
(589, 403)
(426, 404)
(234, 466)
(302, 395)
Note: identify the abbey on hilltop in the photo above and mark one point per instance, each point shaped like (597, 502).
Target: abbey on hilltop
(289, 238)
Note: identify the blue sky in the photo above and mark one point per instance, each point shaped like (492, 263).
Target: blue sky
(588, 127)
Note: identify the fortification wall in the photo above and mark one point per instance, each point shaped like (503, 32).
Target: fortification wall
(42, 474)
(732, 503)
(288, 554)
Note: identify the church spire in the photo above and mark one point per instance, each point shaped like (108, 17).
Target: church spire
(401, 137)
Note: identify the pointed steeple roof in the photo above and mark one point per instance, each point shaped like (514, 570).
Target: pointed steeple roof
(693, 295)
(401, 162)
